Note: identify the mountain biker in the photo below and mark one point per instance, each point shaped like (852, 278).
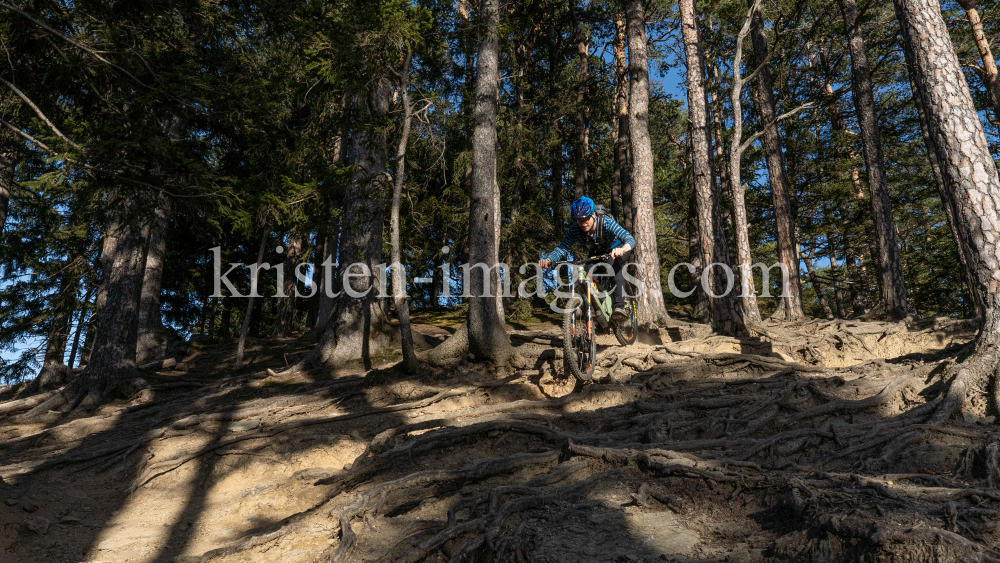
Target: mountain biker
(601, 234)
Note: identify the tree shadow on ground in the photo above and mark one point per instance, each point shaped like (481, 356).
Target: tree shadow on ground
(696, 458)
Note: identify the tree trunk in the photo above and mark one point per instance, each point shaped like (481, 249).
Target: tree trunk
(226, 324)
(790, 304)
(558, 217)
(84, 308)
(719, 155)
(331, 284)
(318, 252)
(893, 303)
(961, 246)
(982, 43)
(254, 279)
(111, 370)
(838, 294)
(972, 187)
(285, 318)
(62, 312)
(723, 316)
(358, 328)
(486, 331)
(622, 140)
(651, 308)
(8, 159)
(153, 339)
(817, 286)
(748, 296)
(410, 363)
(582, 109)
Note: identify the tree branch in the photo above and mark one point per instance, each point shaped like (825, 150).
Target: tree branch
(39, 113)
(786, 115)
(55, 32)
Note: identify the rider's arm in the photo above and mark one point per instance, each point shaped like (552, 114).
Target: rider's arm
(568, 240)
(621, 235)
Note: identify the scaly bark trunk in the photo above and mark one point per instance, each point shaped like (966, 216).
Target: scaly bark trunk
(152, 339)
(989, 64)
(972, 187)
(622, 140)
(285, 317)
(486, 331)
(790, 303)
(254, 279)
(111, 370)
(651, 308)
(961, 246)
(723, 314)
(358, 328)
(893, 300)
(410, 363)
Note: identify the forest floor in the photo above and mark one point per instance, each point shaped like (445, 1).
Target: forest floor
(805, 443)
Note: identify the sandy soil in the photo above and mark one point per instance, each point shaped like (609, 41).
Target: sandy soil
(804, 443)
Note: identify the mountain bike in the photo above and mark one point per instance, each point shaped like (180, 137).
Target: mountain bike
(585, 305)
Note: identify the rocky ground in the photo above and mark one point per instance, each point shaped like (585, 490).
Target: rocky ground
(806, 442)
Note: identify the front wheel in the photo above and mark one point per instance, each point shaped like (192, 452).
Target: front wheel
(579, 345)
(627, 331)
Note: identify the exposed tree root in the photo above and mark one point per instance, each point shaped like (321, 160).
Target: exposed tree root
(374, 498)
(28, 403)
(162, 467)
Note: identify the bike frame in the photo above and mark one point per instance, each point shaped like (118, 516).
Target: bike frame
(604, 305)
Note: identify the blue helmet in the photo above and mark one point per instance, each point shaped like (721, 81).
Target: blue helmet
(582, 207)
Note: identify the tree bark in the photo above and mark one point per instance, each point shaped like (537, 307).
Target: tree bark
(284, 319)
(153, 341)
(723, 316)
(582, 109)
(254, 279)
(982, 43)
(558, 216)
(486, 331)
(961, 246)
(62, 307)
(790, 303)
(84, 308)
(651, 308)
(893, 303)
(358, 328)
(410, 363)
(748, 296)
(972, 187)
(838, 294)
(622, 140)
(817, 286)
(330, 285)
(8, 160)
(111, 370)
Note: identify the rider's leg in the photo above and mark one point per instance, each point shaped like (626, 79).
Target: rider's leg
(619, 267)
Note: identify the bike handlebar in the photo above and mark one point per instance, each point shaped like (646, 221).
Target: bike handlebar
(591, 260)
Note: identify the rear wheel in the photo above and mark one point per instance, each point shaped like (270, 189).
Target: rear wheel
(627, 331)
(579, 345)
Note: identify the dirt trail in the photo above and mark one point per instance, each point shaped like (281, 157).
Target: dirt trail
(689, 447)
